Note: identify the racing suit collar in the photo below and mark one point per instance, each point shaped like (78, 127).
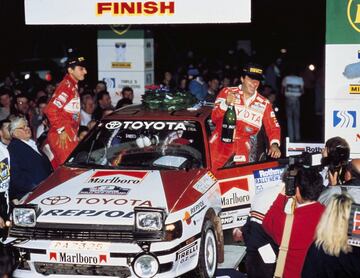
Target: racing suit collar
(249, 100)
(71, 80)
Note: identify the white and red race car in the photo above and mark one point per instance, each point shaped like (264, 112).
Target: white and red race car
(137, 198)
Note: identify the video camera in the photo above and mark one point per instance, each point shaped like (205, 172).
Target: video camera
(295, 162)
(336, 161)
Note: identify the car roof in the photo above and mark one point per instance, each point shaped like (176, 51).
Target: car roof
(141, 112)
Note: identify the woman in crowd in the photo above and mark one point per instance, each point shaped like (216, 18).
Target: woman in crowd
(331, 256)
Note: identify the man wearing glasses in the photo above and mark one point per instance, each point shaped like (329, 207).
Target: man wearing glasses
(28, 165)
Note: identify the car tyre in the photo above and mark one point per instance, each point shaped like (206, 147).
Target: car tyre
(208, 260)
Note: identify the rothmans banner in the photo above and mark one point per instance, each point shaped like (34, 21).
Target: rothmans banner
(342, 85)
(38, 12)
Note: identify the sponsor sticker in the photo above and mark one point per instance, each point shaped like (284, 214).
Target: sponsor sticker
(113, 201)
(57, 103)
(227, 220)
(187, 253)
(262, 177)
(77, 258)
(193, 211)
(354, 89)
(4, 174)
(205, 182)
(135, 125)
(88, 213)
(344, 118)
(234, 199)
(55, 200)
(117, 177)
(105, 190)
(113, 125)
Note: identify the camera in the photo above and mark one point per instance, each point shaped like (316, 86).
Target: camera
(295, 162)
(336, 161)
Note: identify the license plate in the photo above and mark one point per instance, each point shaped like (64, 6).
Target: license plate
(79, 245)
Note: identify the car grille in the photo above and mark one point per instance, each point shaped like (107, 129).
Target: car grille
(114, 235)
(78, 269)
(70, 234)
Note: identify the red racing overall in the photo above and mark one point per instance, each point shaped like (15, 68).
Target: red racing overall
(63, 112)
(250, 116)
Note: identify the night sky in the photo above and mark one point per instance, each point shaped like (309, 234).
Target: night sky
(298, 26)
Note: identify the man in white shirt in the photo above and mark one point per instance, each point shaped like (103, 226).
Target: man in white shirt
(87, 110)
(293, 88)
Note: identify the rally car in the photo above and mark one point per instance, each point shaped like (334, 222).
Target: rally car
(138, 197)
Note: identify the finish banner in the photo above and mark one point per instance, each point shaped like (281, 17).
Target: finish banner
(342, 79)
(42, 12)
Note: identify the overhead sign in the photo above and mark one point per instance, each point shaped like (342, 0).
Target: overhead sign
(40, 12)
(342, 80)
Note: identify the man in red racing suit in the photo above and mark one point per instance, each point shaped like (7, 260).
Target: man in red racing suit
(252, 111)
(63, 112)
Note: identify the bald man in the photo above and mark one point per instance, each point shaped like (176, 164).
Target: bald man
(351, 186)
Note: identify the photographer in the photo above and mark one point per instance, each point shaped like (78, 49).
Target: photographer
(335, 157)
(331, 256)
(351, 185)
(257, 241)
(305, 185)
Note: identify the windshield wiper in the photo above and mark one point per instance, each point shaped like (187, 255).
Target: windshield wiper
(88, 165)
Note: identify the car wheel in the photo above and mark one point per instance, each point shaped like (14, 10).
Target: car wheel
(207, 263)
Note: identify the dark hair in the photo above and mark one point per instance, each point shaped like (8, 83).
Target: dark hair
(2, 122)
(338, 153)
(127, 88)
(309, 182)
(101, 94)
(335, 143)
(5, 91)
(41, 100)
(21, 96)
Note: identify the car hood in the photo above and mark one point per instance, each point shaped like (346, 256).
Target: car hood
(109, 196)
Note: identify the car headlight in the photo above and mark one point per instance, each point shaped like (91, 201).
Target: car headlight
(24, 217)
(145, 266)
(149, 219)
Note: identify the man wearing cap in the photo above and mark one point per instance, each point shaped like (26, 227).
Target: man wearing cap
(252, 111)
(63, 112)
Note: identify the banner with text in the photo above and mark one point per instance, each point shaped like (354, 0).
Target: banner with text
(136, 12)
(342, 79)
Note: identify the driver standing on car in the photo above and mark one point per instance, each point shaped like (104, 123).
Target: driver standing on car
(63, 112)
(252, 111)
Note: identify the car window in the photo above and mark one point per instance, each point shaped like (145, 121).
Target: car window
(142, 145)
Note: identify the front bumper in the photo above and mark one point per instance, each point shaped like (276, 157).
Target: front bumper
(40, 259)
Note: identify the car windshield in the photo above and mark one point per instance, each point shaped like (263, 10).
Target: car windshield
(142, 145)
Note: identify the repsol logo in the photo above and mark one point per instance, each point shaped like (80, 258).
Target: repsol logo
(227, 220)
(89, 213)
(234, 199)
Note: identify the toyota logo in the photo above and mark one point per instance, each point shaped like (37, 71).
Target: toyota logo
(113, 125)
(55, 200)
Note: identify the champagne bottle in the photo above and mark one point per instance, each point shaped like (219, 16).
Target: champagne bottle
(228, 125)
